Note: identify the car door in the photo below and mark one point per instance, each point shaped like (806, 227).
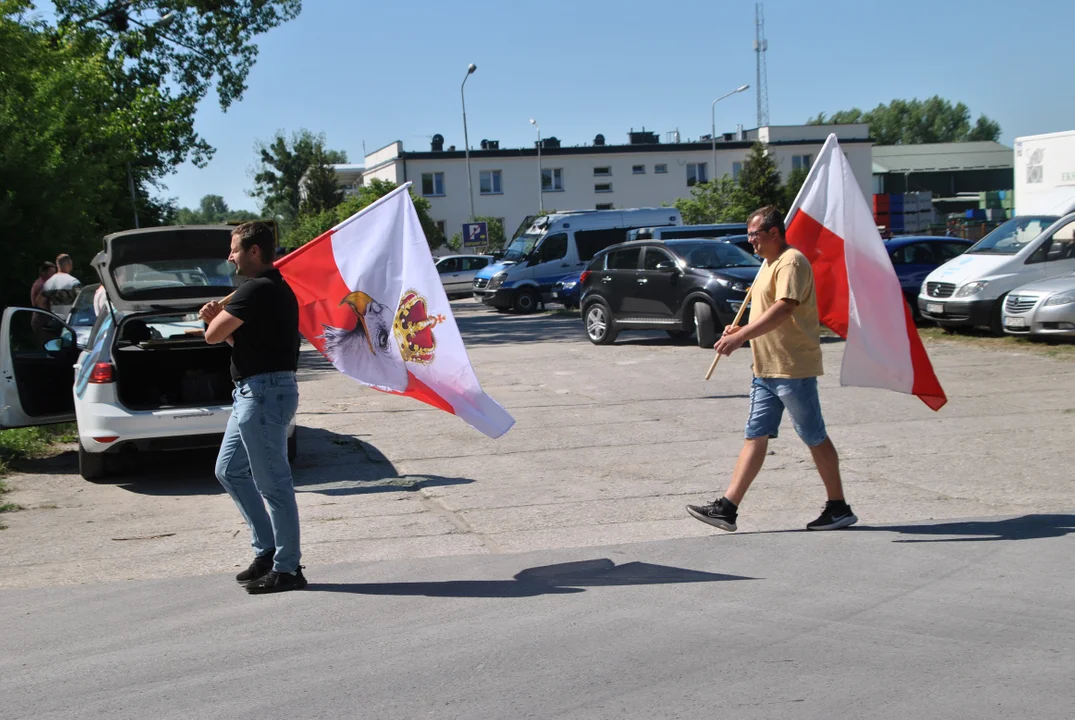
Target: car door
(551, 262)
(621, 278)
(451, 271)
(37, 358)
(471, 266)
(913, 262)
(1055, 255)
(659, 281)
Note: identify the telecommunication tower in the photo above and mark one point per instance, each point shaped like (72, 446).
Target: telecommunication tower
(762, 82)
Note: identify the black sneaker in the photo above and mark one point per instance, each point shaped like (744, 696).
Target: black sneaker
(834, 517)
(259, 568)
(275, 582)
(717, 513)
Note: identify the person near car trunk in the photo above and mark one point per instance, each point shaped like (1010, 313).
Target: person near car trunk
(785, 339)
(47, 270)
(60, 290)
(261, 323)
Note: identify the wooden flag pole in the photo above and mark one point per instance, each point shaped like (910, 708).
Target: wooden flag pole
(738, 317)
(226, 299)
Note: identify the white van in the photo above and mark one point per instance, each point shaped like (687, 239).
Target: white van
(969, 290)
(556, 246)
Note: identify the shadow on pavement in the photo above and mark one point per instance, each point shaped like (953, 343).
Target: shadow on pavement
(1028, 527)
(563, 578)
(327, 463)
(485, 326)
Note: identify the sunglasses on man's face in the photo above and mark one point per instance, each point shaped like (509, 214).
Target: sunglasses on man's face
(755, 233)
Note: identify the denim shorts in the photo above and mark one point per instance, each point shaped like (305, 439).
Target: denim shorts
(769, 397)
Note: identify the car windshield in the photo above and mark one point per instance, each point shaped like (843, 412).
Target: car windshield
(713, 255)
(521, 246)
(154, 276)
(82, 312)
(1012, 236)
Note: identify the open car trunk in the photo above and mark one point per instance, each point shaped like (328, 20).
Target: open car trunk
(164, 362)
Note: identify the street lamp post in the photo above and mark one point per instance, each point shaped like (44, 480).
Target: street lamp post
(466, 140)
(541, 180)
(713, 126)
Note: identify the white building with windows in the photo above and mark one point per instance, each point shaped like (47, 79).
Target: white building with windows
(509, 184)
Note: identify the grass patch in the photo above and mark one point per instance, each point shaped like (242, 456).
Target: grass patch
(1060, 349)
(10, 507)
(31, 442)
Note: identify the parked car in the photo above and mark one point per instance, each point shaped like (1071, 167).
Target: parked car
(1042, 309)
(457, 272)
(555, 246)
(741, 242)
(915, 257)
(566, 291)
(970, 290)
(145, 379)
(692, 286)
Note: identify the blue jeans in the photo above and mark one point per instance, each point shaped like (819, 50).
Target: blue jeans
(769, 397)
(252, 464)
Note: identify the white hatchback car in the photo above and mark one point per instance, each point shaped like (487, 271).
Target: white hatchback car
(457, 273)
(145, 379)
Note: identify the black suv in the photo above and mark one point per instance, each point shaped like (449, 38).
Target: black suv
(683, 286)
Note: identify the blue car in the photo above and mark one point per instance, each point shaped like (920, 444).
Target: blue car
(915, 257)
(567, 291)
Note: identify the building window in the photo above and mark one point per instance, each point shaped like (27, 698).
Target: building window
(604, 206)
(800, 162)
(737, 169)
(433, 184)
(441, 227)
(638, 169)
(602, 171)
(552, 180)
(602, 187)
(660, 168)
(696, 173)
(489, 182)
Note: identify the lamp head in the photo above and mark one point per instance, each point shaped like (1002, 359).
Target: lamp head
(471, 68)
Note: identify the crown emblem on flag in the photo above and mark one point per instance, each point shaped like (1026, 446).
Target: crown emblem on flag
(413, 327)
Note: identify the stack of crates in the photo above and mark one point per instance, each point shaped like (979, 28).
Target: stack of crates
(896, 213)
(881, 211)
(996, 205)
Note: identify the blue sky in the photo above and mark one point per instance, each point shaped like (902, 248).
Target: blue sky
(377, 72)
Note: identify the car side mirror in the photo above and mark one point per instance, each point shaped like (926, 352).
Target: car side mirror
(54, 346)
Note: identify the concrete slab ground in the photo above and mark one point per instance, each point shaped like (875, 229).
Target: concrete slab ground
(609, 445)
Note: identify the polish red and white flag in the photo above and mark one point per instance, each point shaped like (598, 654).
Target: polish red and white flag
(858, 294)
(371, 301)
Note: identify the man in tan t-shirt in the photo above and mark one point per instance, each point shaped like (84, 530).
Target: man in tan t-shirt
(785, 339)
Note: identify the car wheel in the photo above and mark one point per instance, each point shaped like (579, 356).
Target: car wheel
(92, 466)
(996, 321)
(293, 446)
(600, 327)
(704, 325)
(526, 302)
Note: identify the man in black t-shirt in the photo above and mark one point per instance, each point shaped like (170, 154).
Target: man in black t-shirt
(261, 323)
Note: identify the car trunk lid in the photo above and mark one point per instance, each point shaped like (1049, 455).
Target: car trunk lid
(167, 267)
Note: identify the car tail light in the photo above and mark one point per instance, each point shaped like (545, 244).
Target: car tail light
(582, 278)
(103, 373)
(107, 439)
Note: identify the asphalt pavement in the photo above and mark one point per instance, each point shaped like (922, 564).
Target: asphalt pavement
(966, 619)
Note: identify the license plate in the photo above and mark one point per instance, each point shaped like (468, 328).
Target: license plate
(555, 294)
(935, 308)
(1015, 322)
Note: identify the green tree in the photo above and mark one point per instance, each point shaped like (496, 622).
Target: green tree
(792, 186)
(495, 232)
(212, 209)
(283, 162)
(320, 190)
(759, 180)
(911, 122)
(101, 96)
(717, 201)
(310, 225)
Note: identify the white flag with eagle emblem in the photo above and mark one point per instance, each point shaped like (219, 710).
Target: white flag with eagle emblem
(371, 300)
